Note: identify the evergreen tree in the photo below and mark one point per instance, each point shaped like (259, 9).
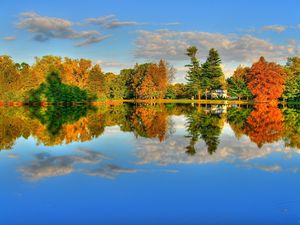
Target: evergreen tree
(193, 76)
(212, 74)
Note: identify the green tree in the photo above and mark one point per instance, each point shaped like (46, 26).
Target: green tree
(212, 74)
(194, 76)
(54, 91)
(292, 80)
(204, 125)
(95, 83)
(237, 83)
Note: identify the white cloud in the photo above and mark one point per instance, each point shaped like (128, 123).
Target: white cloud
(236, 49)
(46, 165)
(45, 28)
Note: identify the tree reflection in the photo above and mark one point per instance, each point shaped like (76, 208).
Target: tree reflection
(264, 124)
(292, 127)
(53, 117)
(237, 118)
(207, 125)
(150, 121)
(56, 125)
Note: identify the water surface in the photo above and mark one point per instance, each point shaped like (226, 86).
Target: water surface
(150, 164)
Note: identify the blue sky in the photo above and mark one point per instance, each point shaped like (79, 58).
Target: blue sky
(119, 33)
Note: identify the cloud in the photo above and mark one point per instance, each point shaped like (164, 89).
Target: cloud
(9, 38)
(272, 168)
(110, 22)
(92, 40)
(46, 165)
(241, 153)
(172, 45)
(46, 28)
(107, 63)
(110, 171)
(275, 28)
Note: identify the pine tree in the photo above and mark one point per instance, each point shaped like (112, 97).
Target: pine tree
(193, 76)
(212, 74)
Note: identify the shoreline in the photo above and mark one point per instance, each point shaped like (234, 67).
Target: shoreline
(157, 101)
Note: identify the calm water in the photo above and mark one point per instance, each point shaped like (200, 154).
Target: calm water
(150, 164)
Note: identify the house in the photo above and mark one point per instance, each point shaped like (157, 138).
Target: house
(218, 93)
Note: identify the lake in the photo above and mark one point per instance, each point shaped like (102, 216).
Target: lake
(150, 164)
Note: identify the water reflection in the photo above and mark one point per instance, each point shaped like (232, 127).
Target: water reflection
(56, 125)
(139, 158)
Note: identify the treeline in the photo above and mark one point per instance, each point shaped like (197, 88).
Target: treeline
(264, 81)
(53, 79)
(56, 79)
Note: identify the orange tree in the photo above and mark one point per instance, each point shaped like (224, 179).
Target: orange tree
(266, 80)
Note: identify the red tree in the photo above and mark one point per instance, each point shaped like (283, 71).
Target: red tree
(264, 124)
(266, 80)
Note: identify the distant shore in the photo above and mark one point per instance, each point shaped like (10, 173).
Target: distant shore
(156, 101)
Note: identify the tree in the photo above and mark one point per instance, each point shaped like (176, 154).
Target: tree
(95, 83)
(176, 91)
(193, 76)
(266, 81)
(264, 124)
(237, 83)
(54, 91)
(212, 75)
(161, 79)
(127, 76)
(292, 81)
(114, 87)
(148, 88)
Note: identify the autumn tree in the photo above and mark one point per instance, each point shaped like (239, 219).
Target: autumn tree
(266, 80)
(161, 79)
(149, 88)
(264, 124)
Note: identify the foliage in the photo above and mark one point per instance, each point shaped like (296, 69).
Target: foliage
(212, 74)
(177, 91)
(204, 125)
(266, 80)
(237, 117)
(292, 127)
(292, 81)
(53, 91)
(194, 76)
(237, 83)
(264, 124)
(53, 117)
